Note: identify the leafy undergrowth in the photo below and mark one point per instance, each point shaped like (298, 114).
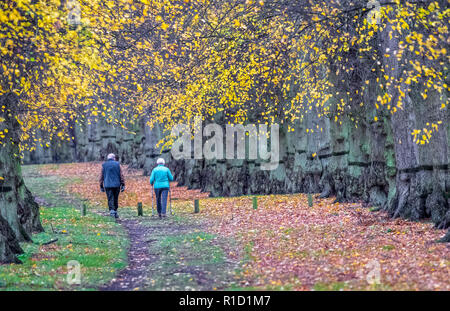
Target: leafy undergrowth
(330, 245)
(97, 244)
(289, 245)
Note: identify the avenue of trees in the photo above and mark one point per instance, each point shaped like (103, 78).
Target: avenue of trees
(63, 61)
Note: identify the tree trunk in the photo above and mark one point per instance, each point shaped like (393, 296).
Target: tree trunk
(421, 169)
(19, 213)
(446, 238)
(9, 245)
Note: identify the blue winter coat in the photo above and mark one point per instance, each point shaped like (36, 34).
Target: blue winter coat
(160, 177)
(111, 175)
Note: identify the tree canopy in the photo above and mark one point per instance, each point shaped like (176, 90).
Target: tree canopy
(276, 59)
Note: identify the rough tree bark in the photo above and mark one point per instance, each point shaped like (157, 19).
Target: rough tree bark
(19, 213)
(420, 181)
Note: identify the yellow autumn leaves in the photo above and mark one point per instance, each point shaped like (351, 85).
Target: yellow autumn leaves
(188, 58)
(424, 135)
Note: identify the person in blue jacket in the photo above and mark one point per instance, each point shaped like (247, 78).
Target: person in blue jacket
(112, 182)
(160, 180)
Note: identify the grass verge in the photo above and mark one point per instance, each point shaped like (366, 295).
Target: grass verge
(97, 243)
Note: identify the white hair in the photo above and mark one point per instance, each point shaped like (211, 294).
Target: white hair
(160, 161)
(111, 156)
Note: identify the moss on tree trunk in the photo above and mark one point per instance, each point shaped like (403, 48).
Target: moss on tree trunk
(19, 213)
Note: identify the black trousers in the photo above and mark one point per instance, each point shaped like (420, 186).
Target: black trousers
(113, 198)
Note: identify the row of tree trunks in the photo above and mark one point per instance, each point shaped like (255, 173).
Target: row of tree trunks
(19, 213)
(378, 162)
(422, 173)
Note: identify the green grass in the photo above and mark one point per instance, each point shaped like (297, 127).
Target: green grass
(52, 190)
(183, 256)
(388, 247)
(337, 286)
(96, 242)
(195, 249)
(187, 258)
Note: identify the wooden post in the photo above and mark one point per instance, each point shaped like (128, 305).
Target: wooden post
(310, 200)
(83, 209)
(140, 211)
(255, 202)
(196, 206)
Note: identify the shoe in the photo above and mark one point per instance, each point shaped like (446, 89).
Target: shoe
(112, 213)
(164, 215)
(160, 216)
(116, 215)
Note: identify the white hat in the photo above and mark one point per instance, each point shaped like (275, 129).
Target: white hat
(111, 156)
(160, 161)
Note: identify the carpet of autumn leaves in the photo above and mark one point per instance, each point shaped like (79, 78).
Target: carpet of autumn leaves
(288, 244)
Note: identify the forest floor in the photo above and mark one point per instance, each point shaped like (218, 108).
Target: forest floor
(282, 245)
